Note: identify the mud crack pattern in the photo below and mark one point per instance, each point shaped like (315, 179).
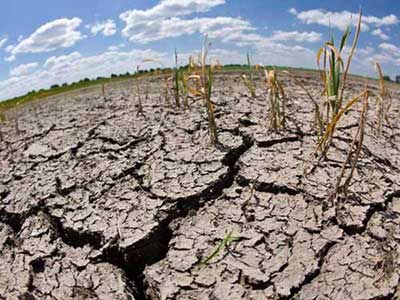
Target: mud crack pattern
(98, 202)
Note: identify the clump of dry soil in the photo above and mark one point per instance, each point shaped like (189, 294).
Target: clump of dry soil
(98, 202)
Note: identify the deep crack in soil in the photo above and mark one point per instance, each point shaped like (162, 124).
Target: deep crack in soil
(99, 204)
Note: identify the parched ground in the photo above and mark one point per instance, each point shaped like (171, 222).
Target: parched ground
(98, 202)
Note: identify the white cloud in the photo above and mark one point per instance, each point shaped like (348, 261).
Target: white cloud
(174, 27)
(388, 55)
(60, 33)
(296, 36)
(9, 48)
(116, 47)
(165, 9)
(107, 28)
(161, 20)
(224, 56)
(164, 21)
(61, 60)
(3, 42)
(24, 69)
(390, 48)
(385, 21)
(342, 19)
(10, 58)
(379, 33)
(113, 48)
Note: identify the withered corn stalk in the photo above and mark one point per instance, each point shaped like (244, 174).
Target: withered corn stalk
(331, 72)
(335, 84)
(326, 139)
(176, 82)
(277, 102)
(203, 78)
(354, 150)
(248, 78)
(383, 101)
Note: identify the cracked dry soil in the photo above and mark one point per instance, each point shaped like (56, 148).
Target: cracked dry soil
(98, 202)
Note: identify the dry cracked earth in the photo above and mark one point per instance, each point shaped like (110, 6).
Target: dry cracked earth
(98, 202)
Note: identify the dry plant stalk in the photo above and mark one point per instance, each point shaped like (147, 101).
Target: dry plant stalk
(103, 90)
(335, 83)
(383, 101)
(326, 139)
(176, 82)
(185, 85)
(2, 119)
(248, 78)
(318, 119)
(16, 121)
(203, 78)
(185, 90)
(334, 86)
(354, 150)
(167, 88)
(140, 104)
(277, 102)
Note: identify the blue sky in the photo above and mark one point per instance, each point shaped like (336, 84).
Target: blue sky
(45, 42)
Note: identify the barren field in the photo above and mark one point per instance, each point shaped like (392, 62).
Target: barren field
(99, 202)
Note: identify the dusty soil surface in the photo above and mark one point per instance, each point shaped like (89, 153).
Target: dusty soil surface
(98, 202)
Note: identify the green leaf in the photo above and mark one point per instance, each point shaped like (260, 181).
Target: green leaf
(344, 38)
(225, 242)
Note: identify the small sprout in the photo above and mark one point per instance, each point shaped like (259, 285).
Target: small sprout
(225, 243)
(383, 101)
(248, 78)
(277, 102)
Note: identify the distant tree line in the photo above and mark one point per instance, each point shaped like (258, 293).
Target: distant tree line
(387, 78)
